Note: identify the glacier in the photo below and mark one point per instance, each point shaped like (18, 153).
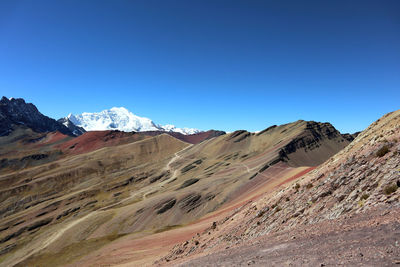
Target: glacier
(120, 118)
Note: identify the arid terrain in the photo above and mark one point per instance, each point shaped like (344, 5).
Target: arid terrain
(345, 212)
(295, 194)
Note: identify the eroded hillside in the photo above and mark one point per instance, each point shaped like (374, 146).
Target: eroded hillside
(107, 191)
(346, 211)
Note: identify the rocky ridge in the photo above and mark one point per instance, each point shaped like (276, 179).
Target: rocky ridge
(76, 130)
(364, 176)
(15, 111)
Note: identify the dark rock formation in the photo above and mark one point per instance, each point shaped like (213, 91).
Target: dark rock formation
(350, 137)
(190, 202)
(166, 205)
(76, 130)
(16, 112)
(238, 136)
(312, 138)
(188, 182)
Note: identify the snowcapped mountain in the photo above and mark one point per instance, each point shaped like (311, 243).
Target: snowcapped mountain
(123, 120)
(172, 128)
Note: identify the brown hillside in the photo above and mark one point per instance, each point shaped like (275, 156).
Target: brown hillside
(190, 138)
(103, 193)
(346, 211)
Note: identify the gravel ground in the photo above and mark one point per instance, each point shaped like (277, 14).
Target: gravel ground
(368, 239)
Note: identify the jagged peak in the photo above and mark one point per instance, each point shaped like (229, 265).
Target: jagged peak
(5, 99)
(15, 111)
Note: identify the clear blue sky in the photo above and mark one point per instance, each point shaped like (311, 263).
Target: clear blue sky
(206, 64)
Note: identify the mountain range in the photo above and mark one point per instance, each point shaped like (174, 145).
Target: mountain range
(300, 193)
(15, 111)
(123, 120)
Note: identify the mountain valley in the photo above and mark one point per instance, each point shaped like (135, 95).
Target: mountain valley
(72, 196)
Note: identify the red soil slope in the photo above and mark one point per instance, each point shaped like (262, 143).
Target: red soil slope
(94, 140)
(52, 138)
(191, 138)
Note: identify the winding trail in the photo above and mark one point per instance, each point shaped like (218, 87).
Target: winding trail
(145, 192)
(167, 168)
(60, 232)
(51, 239)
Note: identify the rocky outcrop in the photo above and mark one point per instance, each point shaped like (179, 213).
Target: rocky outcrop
(166, 205)
(15, 111)
(76, 130)
(350, 137)
(190, 202)
(312, 135)
(316, 142)
(238, 136)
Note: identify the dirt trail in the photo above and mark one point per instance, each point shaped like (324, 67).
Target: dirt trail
(59, 233)
(154, 188)
(144, 192)
(175, 158)
(42, 244)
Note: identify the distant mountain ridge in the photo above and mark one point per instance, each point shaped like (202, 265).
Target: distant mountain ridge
(15, 111)
(76, 130)
(123, 120)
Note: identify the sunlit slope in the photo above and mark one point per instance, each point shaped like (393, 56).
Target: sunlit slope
(79, 202)
(361, 181)
(210, 181)
(35, 200)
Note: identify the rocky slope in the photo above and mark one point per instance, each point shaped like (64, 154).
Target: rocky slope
(67, 199)
(76, 130)
(361, 181)
(322, 139)
(15, 111)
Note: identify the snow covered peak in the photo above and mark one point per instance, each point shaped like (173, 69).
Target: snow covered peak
(120, 109)
(172, 128)
(119, 118)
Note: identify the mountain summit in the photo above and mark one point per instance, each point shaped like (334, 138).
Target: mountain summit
(16, 112)
(123, 120)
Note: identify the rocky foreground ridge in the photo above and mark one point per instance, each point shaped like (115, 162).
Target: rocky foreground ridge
(355, 191)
